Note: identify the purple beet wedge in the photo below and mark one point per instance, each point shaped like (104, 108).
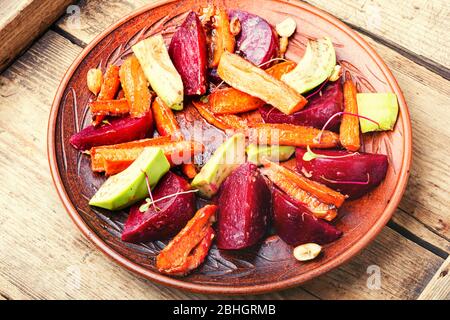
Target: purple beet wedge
(170, 216)
(188, 52)
(353, 175)
(244, 208)
(295, 225)
(319, 109)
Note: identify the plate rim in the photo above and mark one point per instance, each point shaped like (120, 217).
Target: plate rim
(178, 283)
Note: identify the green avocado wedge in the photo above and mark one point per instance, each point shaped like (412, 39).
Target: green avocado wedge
(257, 154)
(225, 159)
(315, 67)
(380, 107)
(129, 186)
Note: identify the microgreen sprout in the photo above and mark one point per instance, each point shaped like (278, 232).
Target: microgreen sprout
(310, 155)
(272, 60)
(346, 181)
(317, 91)
(150, 202)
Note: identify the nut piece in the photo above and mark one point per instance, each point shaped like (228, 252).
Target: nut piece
(307, 251)
(283, 46)
(336, 74)
(235, 26)
(286, 28)
(94, 80)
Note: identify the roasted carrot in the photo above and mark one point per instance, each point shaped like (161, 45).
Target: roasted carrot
(252, 117)
(221, 38)
(109, 88)
(109, 107)
(135, 86)
(291, 135)
(294, 185)
(188, 249)
(189, 170)
(223, 122)
(230, 101)
(279, 69)
(349, 130)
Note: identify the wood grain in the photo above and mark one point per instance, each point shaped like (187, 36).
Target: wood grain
(22, 21)
(438, 288)
(50, 254)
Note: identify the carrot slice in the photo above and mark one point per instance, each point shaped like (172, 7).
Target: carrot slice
(189, 170)
(189, 247)
(230, 101)
(135, 86)
(108, 90)
(165, 121)
(291, 135)
(109, 107)
(221, 37)
(278, 70)
(311, 195)
(223, 122)
(349, 130)
(252, 117)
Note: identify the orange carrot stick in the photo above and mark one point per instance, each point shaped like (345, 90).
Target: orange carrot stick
(108, 90)
(294, 186)
(291, 135)
(279, 69)
(109, 107)
(223, 122)
(135, 86)
(222, 38)
(189, 170)
(349, 130)
(188, 249)
(230, 101)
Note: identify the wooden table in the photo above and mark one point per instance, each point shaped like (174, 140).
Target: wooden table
(44, 256)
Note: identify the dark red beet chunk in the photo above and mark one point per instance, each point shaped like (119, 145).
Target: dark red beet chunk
(244, 208)
(257, 41)
(353, 176)
(188, 52)
(118, 131)
(296, 225)
(173, 215)
(319, 109)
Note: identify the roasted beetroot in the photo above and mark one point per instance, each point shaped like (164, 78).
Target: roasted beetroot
(296, 225)
(351, 174)
(188, 53)
(257, 41)
(244, 208)
(170, 216)
(116, 131)
(319, 109)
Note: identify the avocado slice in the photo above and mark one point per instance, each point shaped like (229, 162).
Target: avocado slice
(380, 107)
(160, 71)
(256, 154)
(315, 67)
(129, 186)
(227, 157)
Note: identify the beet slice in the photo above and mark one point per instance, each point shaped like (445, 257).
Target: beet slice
(244, 208)
(353, 175)
(257, 41)
(295, 225)
(171, 215)
(117, 131)
(188, 53)
(319, 109)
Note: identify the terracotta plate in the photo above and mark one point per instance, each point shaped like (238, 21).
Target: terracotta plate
(268, 266)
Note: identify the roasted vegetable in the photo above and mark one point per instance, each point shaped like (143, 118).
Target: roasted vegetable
(296, 225)
(160, 71)
(169, 212)
(352, 174)
(317, 112)
(135, 87)
(189, 55)
(222, 40)
(231, 101)
(278, 70)
(111, 83)
(257, 40)
(246, 77)
(257, 154)
(244, 209)
(190, 247)
(94, 80)
(109, 107)
(349, 130)
(380, 107)
(223, 122)
(129, 186)
(291, 135)
(315, 67)
(116, 131)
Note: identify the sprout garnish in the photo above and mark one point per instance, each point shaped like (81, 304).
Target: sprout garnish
(310, 155)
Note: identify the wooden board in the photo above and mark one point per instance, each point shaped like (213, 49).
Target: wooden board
(22, 21)
(438, 288)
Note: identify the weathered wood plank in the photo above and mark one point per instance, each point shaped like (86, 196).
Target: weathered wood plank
(22, 21)
(51, 259)
(416, 27)
(439, 286)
